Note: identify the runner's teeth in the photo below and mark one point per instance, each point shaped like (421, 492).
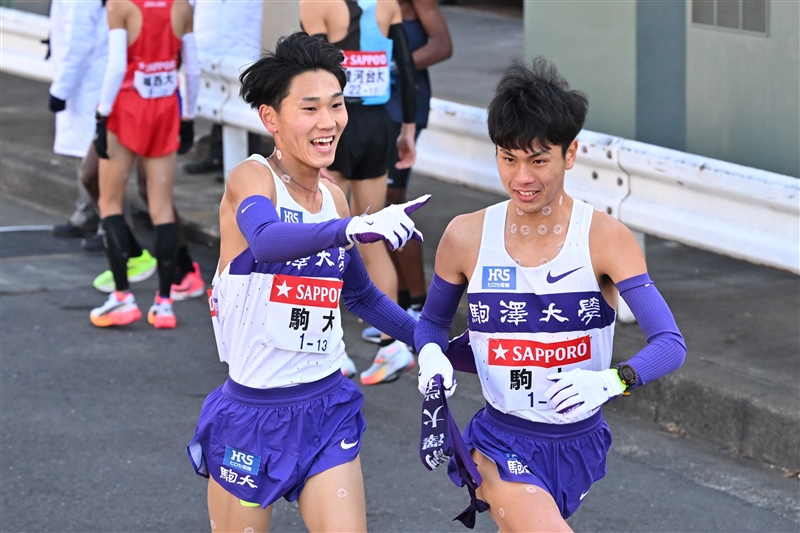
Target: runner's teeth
(324, 140)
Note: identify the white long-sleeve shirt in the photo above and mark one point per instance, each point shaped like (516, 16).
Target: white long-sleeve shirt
(79, 49)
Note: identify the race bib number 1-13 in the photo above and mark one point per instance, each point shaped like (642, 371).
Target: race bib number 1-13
(367, 73)
(303, 314)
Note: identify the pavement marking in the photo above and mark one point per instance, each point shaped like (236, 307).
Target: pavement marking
(8, 229)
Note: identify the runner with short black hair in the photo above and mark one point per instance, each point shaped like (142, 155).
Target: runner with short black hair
(371, 36)
(286, 423)
(543, 272)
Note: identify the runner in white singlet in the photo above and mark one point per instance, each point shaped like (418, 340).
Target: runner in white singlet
(543, 273)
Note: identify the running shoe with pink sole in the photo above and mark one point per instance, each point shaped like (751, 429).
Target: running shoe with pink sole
(191, 286)
(161, 315)
(390, 362)
(120, 309)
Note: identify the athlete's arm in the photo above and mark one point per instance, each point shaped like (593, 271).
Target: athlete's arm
(118, 18)
(457, 248)
(407, 75)
(439, 46)
(191, 66)
(618, 258)
(253, 200)
(367, 302)
(312, 17)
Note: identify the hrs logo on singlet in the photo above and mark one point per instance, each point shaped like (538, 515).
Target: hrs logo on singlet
(495, 277)
(293, 217)
(246, 462)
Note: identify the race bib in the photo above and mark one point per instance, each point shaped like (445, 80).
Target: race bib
(303, 314)
(156, 80)
(367, 73)
(519, 368)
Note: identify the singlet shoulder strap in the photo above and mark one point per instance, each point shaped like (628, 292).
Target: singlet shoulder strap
(494, 221)
(279, 185)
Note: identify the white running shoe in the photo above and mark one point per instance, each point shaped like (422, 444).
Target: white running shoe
(348, 367)
(390, 362)
(119, 309)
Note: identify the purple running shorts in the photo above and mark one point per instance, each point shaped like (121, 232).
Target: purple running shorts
(264, 444)
(564, 459)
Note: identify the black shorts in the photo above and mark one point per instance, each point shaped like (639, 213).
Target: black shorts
(398, 178)
(364, 148)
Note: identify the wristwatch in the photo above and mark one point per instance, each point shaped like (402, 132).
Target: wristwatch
(628, 376)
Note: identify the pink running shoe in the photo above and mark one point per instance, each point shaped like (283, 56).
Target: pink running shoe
(161, 315)
(120, 309)
(191, 286)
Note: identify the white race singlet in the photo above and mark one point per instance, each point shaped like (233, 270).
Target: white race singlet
(278, 324)
(529, 322)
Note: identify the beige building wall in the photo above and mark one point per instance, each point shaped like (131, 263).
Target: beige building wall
(743, 92)
(593, 44)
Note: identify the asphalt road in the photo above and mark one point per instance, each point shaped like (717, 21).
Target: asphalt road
(94, 424)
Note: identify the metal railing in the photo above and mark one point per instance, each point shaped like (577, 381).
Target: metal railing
(729, 209)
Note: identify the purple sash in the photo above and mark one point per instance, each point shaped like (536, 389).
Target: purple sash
(440, 440)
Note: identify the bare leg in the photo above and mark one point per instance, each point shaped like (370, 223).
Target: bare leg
(113, 177)
(334, 500)
(160, 173)
(369, 196)
(142, 182)
(408, 260)
(517, 506)
(90, 174)
(228, 515)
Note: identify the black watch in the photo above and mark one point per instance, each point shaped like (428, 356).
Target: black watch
(627, 374)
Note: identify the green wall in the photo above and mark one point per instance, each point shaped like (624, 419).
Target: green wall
(743, 92)
(593, 44)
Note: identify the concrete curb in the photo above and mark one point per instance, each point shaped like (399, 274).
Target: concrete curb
(718, 409)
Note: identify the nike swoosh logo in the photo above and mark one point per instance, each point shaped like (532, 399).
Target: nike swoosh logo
(584, 494)
(553, 279)
(247, 207)
(346, 446)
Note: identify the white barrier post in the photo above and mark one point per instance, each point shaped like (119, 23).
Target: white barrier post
(234, 148)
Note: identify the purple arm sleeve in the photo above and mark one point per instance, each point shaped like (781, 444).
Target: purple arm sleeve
(363, 299)
(666, 349)
(437, 315)
(273, 241)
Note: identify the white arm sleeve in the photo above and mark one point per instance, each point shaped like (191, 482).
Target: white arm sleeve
(78, 26)
(191, 70)
(115, 69)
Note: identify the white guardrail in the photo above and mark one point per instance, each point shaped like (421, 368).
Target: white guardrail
(729, 209)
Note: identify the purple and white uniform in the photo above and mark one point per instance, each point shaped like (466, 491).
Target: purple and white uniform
(285, 412)
(528, 322)
(524, 324)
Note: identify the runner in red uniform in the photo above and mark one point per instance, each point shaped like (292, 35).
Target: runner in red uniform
(140, 114)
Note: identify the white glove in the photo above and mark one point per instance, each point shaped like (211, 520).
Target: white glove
(578, 391)
(391, 224)
(431, 362)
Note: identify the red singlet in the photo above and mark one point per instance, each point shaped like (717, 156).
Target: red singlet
(146, 114)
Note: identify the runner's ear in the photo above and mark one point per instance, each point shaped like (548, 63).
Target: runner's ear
(267, 114)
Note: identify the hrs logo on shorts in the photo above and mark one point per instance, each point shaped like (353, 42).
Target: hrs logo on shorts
(496, 277)
(246, 462)
(293, 217)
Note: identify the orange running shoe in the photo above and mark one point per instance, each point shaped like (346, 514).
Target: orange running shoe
(120, 309)
(389, 364)
(161, 315)
(191, 286)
